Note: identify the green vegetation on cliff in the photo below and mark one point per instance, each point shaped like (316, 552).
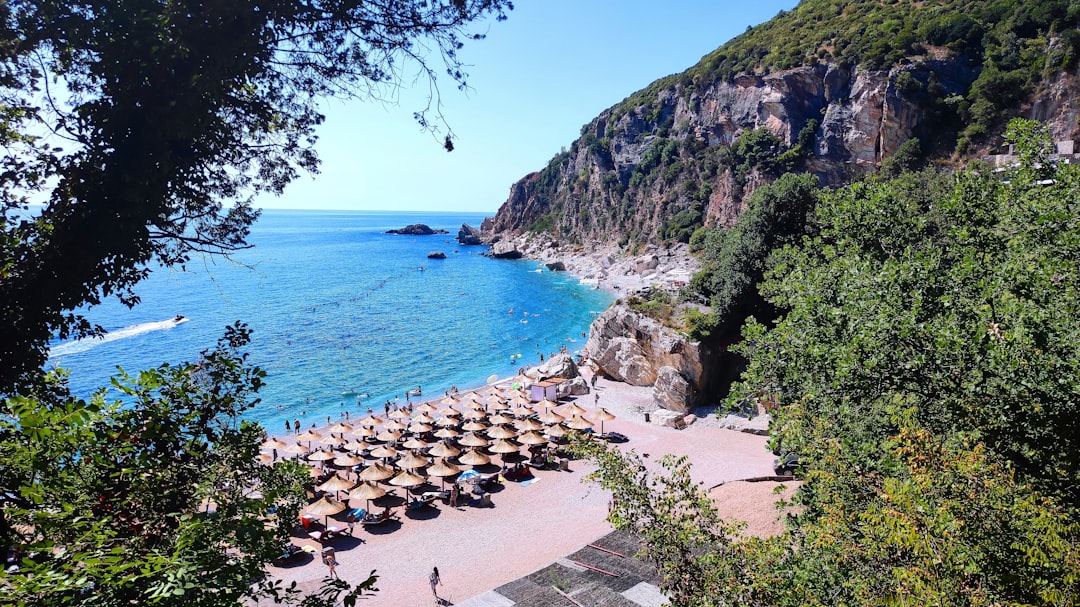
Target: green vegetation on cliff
(925, 370)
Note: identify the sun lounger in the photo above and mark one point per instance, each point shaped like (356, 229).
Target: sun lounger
(378, 518)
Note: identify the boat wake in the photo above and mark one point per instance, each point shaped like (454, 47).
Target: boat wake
(82, 345)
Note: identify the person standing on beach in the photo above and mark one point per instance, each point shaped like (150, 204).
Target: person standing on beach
(434, 580)
(296, 425)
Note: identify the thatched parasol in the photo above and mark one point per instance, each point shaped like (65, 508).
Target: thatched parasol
(551, 417)
(296, 448)
(523, 411)
(384, 451)
(521, 400)
(365, 432)
(603, 415)
(500, 419)
(339, 427)
(408, 479)
(332, 440)
(579, 423)
(442, 469)
(376, 472)
(418, 428)
(449, 400)
(473, 457)
(324, 507)
(546, 404)
(348, 460)
(503, 446)
(528, 425)
(358, 445)
(447, 433)
(443, 450)
(472, 440)
(274, 443)
(474, 414)
(366, 492)
(449, 413)
(388, 436)
(556, 430)
(320, 456)
(426, 408)
(573, 410)
(474, 426)
(424, 418)
(415, 443)
(308, 435)
(399, 414)
(411, 461)
(499, 405)
(395, 425)
(501, 432)
(532, 438)
(370, 420)
(336, 483)
(264, 458)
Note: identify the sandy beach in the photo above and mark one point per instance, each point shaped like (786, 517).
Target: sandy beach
(530, 525)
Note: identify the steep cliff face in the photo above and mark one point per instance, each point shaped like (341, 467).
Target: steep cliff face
(669, 157)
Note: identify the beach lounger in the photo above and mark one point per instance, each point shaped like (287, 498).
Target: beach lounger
(378, 518)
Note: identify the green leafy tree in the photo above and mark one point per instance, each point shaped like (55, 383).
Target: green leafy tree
(925, 370)
(159, 115)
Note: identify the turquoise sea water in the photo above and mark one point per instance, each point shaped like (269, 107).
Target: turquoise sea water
(338, 306)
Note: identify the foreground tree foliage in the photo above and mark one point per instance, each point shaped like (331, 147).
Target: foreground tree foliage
(926, 372)
(157, 500)
(140, 120)
(145, 127)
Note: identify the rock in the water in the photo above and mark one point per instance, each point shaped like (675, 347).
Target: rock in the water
(468, 235)
(417, 229)
(556, 266)
(504, 250)
(672, 391)
(436, 255)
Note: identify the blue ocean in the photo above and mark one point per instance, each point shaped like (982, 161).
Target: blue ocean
(342, 311)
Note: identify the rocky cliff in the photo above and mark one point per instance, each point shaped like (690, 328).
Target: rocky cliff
(680, 155)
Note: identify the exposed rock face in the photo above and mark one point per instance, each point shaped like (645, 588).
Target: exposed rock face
(610, 185)
(504, 250)
(416, 229)
(468, 235)
(672, 390)
(436, 255)
(556, 266)
(631, 347)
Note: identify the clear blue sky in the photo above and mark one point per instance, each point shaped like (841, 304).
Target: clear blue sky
(535, 80)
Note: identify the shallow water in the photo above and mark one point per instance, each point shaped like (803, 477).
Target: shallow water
(339, 307)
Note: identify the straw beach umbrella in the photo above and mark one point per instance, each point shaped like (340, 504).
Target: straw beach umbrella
(407, 479)
(443, 469)
(395, 425)
(365, 432)
(274, 443)
(296, 448)
(448, 415)
(528, 425)
(500, 432)
(415, 443)
(444, 450)
(426, 408)
(384, 451)
(474, 414)
(411, 461)
(325, 506)
(399, 414)
(370, 420)
(556, 430)
(579, 423)
(531, 438)
(339, 427)
(264, 458)
(418, 428)
(474, 426)
(366, 492)
(336, 483)
(424, 418)
(320, 456)
(573, 410)
(388, 436)
(546, 404)
(503, 446)
(347, 460)
(332, 440)
(551, 417)
(472, 440)
(376, 472)
(602, 416)
(358, 446)
(447, 433)
(308, 435)
(500, 419)
(473, 457)
(523, 411)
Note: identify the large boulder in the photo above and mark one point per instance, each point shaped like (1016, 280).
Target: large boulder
(672, 391)
(663, 417)
(631, 347)
(468, 235)
(436, 255)
(556, 266)
(575, 387)
(504, 250)
(560, 365)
